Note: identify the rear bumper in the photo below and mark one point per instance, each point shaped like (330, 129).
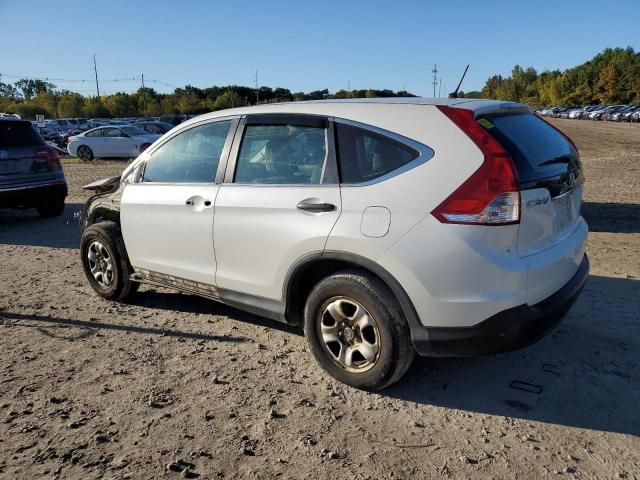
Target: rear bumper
(507, 330)
(30, 195)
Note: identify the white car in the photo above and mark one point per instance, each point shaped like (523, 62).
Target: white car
(383, 227)
(110, 141)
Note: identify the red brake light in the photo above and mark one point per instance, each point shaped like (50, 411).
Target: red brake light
(52, 157)
(491, 196)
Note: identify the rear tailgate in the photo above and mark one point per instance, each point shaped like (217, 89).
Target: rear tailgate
(19, 143)
(21, 154)
(550, 176)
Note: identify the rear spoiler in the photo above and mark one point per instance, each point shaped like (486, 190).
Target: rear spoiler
(104, 185)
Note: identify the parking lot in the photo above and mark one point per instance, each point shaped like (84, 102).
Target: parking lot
(93, 389)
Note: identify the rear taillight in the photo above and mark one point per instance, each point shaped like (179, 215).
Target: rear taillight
(491, 196)
(52, 158)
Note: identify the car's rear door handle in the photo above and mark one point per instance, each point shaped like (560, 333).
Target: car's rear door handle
(316, 207)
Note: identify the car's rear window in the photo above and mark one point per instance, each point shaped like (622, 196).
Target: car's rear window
(538, 150)
(18, 134)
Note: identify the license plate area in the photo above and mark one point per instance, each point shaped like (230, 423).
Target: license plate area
(565, 210)
(8, 166)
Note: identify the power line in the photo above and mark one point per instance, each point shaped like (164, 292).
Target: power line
(122, 79)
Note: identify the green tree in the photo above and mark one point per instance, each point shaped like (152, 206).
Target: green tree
(70, 105)
(29, 88)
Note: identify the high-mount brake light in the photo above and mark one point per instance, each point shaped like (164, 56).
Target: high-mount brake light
(491, 196)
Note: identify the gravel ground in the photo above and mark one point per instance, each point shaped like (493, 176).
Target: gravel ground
(174, 386)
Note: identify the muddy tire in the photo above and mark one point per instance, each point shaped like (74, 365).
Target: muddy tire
(356, 330)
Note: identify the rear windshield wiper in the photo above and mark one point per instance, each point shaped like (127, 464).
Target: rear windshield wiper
(560, 159)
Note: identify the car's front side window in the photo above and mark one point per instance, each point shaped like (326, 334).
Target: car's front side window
(282, 154)
(191, 156)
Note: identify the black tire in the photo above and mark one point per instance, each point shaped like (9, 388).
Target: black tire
(144, 146)
(84, 153)
(120, 287)
(53, 207)
(395, 351)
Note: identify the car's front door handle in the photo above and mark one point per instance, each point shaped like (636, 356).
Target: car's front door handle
(316, 207)
(197, 202)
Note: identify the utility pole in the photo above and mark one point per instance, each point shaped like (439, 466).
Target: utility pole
(144, 97)
(349, 86)
(257, 94)
(440, 87)
(435, 78)
(95, 69)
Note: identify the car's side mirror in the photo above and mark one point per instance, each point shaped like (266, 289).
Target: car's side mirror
(124, 135)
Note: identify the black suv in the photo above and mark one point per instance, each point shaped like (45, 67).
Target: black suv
(30, 171)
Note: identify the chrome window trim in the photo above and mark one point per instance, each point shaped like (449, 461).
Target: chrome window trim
(425, 153)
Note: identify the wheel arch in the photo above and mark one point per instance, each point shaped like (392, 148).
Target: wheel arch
(313, 267)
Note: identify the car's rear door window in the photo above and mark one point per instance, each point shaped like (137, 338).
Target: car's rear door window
(95, 133)
(285, 154)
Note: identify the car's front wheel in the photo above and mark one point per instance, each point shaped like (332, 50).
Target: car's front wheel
(356, 330)
(105, 261)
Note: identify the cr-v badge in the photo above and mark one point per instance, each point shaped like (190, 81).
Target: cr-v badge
(536, 202)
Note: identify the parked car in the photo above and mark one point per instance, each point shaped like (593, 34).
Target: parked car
(383, 227)
(64, 124)
(633, 116)
(30, 171)
(601, 113)
(173, 119)
(159, 128)
(114, 141)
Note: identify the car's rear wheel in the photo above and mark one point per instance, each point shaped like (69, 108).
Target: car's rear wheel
(356, 330)
(105, 261)
(84, 153)
(52, 207)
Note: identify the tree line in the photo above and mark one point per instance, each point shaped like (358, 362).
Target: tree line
(29, 97)
(611, 77)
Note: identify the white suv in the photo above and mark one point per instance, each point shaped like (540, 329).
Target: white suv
(384, 227)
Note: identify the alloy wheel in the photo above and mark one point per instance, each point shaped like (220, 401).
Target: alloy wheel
(349, 334)
(100, 264)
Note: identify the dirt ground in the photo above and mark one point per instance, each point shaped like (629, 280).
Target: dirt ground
(94, 389)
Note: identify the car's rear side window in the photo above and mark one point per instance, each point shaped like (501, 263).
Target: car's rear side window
(537, 149)
(192, 156)
(18, 134)
(281, 154)
(365, 155)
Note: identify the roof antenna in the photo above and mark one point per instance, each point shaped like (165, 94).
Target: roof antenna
(454, 94)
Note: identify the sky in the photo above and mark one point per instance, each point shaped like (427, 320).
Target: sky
(303, 45)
